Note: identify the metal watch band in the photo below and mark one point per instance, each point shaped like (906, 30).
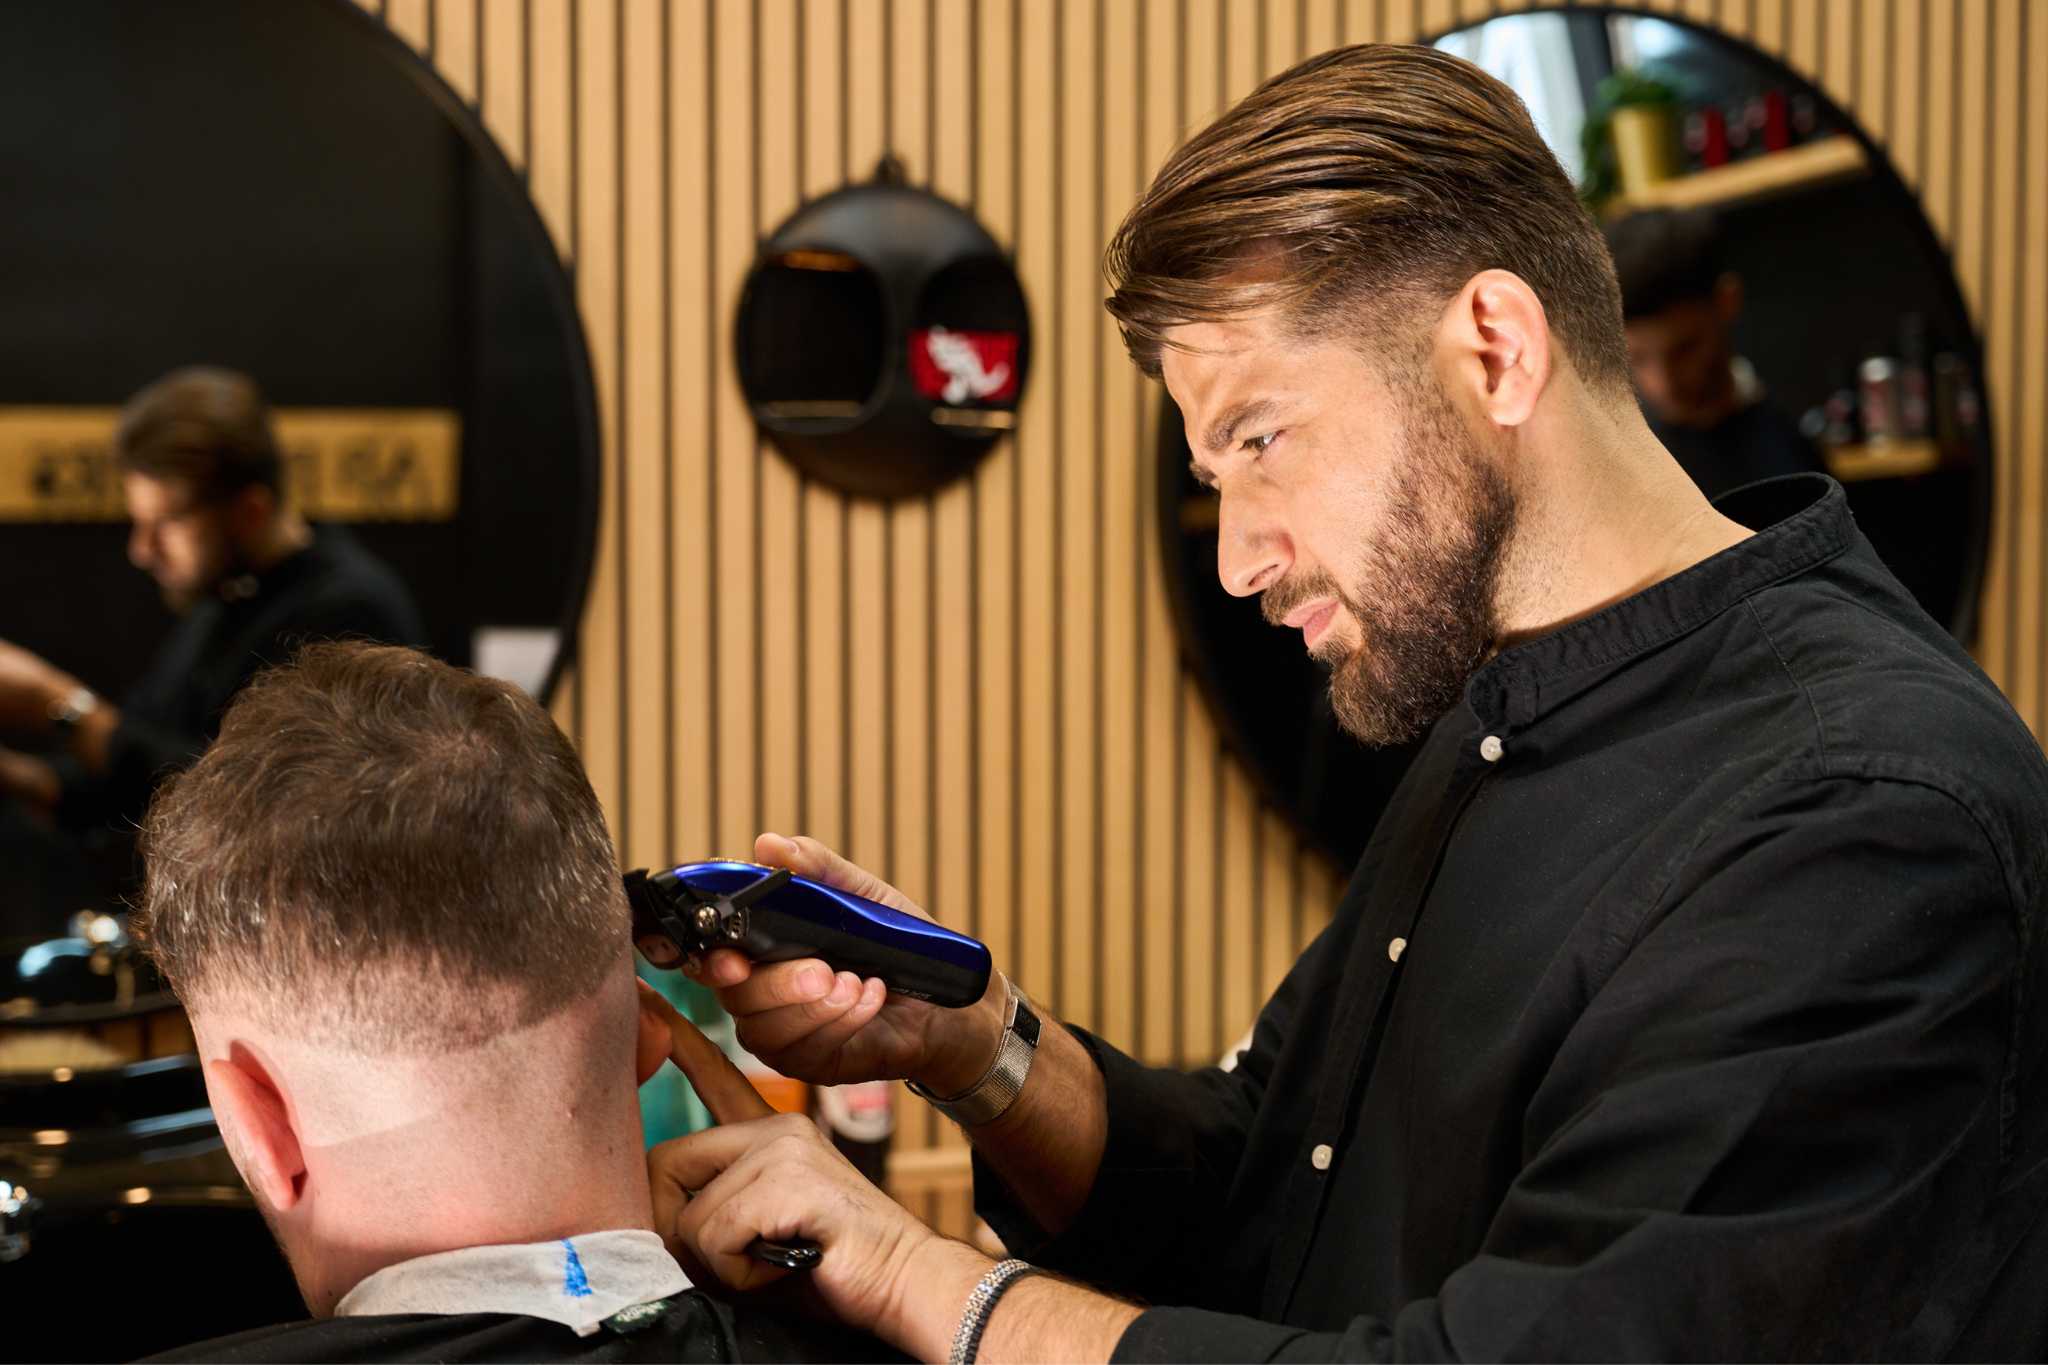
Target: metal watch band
(987, 1099)
(981, 1301)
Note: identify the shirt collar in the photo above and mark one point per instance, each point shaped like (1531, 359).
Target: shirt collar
(577, 1281)
(1800, 521)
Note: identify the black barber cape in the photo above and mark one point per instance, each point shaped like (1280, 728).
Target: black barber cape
(333, 589)
(1701, 1016)
(690, 1327)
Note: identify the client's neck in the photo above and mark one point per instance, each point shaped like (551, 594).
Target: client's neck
(531, 1137)
(438, 1187)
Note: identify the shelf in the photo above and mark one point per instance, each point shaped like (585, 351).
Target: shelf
(1884, 460)
(1807, 166)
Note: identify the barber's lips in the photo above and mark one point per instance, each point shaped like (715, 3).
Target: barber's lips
(1314, 621)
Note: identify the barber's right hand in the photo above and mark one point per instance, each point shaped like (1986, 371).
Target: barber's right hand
(831, 1028)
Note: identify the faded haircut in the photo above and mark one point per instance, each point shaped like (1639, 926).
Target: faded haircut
(1366, 186)
(385, 854)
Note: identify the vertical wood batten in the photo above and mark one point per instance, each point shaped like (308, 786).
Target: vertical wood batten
(1040, 188)
(1162, 79)
(1198, 892)
(412, 21)
(646, 621)
(502, 59)
(2030, 410)
(1119, 638)
(595, 71)
(822, 513)
(2005, 381)
(864, 600)
(735, 503)
(949, 775)
(994, 869)
(779, 685)
(910, 523)
(1076, 569)
(453, 26)
(696, 334)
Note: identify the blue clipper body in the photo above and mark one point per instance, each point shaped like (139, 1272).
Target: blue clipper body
(771, 915)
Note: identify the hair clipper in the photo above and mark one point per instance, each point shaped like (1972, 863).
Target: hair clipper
(772, 915)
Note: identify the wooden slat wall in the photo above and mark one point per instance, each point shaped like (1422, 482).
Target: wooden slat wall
(977, 693)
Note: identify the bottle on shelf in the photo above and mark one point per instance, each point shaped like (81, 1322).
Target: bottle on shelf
(861, 1121)
(1914, 398)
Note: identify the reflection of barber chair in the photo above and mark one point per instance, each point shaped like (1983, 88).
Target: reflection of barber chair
(122, 1219)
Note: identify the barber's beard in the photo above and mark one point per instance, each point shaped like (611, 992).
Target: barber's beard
(1424, 590)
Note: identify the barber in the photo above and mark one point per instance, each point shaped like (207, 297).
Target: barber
(1686, 1001)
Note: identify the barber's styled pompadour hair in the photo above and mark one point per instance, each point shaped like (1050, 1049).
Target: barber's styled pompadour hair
(1366, 185)
(384, 853)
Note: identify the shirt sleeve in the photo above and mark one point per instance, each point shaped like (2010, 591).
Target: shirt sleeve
(1774, 1130)
(1172, 1150)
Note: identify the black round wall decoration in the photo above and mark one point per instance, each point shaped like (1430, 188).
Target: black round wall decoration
(883, 339)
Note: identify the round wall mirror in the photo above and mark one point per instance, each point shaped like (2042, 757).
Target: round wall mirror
(287, 191)
(1788, 307)
(282, 190)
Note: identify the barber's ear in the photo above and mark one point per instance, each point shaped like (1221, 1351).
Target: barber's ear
(257, 1128)
(1498, 340)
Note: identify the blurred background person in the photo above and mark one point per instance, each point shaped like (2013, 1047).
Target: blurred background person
(1706, 403)
(248, 577)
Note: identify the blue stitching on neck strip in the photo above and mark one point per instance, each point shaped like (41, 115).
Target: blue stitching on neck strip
(574, 1282)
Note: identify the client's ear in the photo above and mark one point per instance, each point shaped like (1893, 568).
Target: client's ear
(256, 1125)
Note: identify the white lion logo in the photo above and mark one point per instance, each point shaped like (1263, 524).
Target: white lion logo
(965, 378)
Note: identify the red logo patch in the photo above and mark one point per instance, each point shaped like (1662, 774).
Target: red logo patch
(949, 366)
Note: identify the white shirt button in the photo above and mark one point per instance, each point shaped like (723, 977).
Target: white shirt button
(1320, 1157)
(1396, 948)
(1491, 748)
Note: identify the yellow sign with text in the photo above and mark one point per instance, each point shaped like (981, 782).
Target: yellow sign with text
(340, 464)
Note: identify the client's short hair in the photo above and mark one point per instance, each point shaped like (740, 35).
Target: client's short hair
(1665, 257)
(384, 853)
(209, 427)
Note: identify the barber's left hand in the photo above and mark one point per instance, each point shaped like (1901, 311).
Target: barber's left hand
(28, 685)
(779, 1178)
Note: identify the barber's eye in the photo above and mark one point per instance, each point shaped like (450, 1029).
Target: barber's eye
(1259, 445)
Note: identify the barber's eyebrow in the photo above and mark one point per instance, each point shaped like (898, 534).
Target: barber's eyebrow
(1223, 431)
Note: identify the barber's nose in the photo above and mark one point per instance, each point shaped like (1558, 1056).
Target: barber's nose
(138, 547)
(1251, 554)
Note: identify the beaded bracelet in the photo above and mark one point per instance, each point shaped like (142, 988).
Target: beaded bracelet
(980, 1303)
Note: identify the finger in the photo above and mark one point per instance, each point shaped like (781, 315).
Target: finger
(693, 1161)
(728, 1094)
(810, 1055)
(719, 968)
(776, 985)
(651, 1048)
(774, 1032)
(807, 857)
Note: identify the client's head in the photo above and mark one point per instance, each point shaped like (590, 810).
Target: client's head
(388, 900)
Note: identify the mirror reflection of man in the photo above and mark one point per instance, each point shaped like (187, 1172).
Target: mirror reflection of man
(1679, 305)
(249, 579)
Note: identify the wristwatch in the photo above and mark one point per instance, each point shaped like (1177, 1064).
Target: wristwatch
(988, 1098)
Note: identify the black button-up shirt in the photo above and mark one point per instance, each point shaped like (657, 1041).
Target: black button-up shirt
(1685, 1004)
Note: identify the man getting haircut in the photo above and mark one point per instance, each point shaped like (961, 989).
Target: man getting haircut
(388, 899)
